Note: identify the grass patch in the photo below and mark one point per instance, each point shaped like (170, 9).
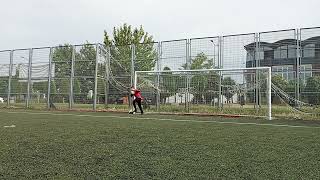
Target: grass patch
(66, 146)
(281, 111)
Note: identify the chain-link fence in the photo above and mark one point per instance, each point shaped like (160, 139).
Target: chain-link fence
(93, 76)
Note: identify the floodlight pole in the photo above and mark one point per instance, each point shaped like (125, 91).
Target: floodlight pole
(214, 52)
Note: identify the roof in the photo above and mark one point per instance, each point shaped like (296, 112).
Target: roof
(283, 42)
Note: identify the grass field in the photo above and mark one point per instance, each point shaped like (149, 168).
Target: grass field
(74, 145)
(235, 109)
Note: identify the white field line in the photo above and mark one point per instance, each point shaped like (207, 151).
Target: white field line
(163, 119)
(12, 126)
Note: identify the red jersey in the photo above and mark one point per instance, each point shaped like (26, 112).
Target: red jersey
(137, 93)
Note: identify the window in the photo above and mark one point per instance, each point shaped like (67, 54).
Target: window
(284, 52)
(250, 55)
(305, 72)
(277, 53)
(260, 55)
(309, 50)
(281, 52)
(286, 72)
(268, 53)
(292, 51)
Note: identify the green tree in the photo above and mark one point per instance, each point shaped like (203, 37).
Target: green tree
(291, 88)
(228, 87)
(77, 86)
(84, 69)
(168, 87)
(42, 87)
(203, 85)
(18, 86)
(201, 61)
(120, 42)
(121, 55)
(85, 60)
(276, 80)
(3, 86)
(61, 60)
(53, 88)
(101, 89)
(312, 90)
(64, 86)
(280, 82)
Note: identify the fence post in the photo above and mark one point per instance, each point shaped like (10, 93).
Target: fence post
(269, 94)
(188, 61)
(159, 54)
(10, 77)
(259, 73)
(29, 86)
(107, 68)
(96, 79)
(49, 78)
(133, 52)
(214, 66)
(71, 77)
(298, 63)
(256, 57)
(220, 58)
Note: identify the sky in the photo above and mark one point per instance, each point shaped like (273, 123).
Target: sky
(38, 23)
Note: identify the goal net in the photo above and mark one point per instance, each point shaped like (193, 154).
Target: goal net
(236, 91)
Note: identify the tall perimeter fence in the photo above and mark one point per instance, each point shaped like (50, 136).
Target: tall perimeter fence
(93, 76)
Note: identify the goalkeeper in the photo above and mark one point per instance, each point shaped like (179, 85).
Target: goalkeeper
(137, 98)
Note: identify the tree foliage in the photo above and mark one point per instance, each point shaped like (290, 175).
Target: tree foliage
(123, 37)
(84, 69)
(204, 85)
(312, 90)
(228, 87)
(3, 86)
(280, 82)
(168, 82)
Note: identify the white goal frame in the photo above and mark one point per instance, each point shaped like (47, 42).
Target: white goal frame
(268, 69)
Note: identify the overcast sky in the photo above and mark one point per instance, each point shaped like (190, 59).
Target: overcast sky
(34, 23)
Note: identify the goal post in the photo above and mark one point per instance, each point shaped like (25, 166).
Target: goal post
(199, 90)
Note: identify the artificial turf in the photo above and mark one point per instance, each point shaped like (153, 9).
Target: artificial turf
(118, 146)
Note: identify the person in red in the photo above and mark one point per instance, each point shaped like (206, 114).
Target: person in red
(136, 93)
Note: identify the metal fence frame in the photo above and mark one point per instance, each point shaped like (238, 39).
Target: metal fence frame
(163, 58)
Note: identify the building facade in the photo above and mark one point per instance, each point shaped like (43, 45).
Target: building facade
(282, 57)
